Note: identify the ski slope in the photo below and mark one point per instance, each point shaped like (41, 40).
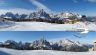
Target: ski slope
(42, 26)
(4, 51)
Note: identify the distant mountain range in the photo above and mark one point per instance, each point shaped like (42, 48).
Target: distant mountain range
(43, 16)
(42, 44)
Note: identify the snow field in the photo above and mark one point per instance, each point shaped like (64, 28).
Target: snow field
(42, 52)
(41, 26)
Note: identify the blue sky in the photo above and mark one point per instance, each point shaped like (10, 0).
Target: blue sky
(30, 36)
(87, 7)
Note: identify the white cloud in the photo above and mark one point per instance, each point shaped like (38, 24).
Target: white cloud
(40, 5)
(16, 10)
(75, 1)
(94, 1)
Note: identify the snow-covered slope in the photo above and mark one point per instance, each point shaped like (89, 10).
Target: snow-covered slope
(4, 51)
(6, 24)
(42, 26)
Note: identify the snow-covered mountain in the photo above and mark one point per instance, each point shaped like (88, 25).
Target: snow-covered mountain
(66, 42)
(10, 15)
(41, 14)
(42, 44)
(69, 45)
(70, 42)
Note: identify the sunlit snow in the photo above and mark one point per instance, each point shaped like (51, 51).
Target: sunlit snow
(4, 51)
(42, 26)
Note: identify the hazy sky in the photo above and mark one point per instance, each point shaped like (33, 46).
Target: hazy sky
(51, 36)
(87, 7)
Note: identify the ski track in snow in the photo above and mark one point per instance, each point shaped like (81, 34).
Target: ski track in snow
(41, 26)
(4, 51)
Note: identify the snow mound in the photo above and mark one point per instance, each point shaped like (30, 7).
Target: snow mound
(4, 51)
